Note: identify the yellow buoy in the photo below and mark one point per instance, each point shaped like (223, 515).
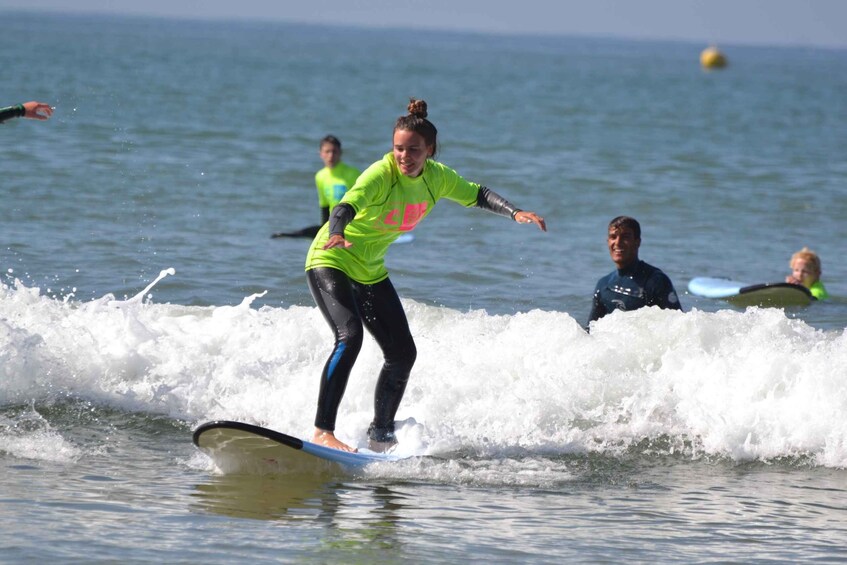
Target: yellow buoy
(712, 58)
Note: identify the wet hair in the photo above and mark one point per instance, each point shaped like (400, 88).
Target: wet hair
(416, 121)
(626, 222)
(810, 257)
(331, 139)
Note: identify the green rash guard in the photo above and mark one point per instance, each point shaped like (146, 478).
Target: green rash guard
(818, 291)
(333, 183)
(387, 204)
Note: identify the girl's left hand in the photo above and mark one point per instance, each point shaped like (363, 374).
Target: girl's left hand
(37, 110)
(524, 217)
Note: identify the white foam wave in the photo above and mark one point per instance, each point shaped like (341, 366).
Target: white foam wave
(751, 385)
(28, 435)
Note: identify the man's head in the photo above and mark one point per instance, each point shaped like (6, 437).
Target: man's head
(624, 240)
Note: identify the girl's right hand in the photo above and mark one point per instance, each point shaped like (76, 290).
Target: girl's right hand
(337, 240)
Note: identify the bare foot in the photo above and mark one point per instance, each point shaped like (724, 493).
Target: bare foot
(328, 439)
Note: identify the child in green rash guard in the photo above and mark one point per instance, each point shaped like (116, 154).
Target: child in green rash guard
(806, 271)
(332, 182)
(335, 179)
(33, 110)
(345, 267)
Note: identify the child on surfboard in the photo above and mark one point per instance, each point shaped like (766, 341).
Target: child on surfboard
(345, 267)
(806, 271)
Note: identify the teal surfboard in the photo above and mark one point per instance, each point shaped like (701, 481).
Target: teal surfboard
(778, 295)
(237, 446)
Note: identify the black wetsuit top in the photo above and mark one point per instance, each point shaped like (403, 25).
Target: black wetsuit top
(631, 288)
(12, 112)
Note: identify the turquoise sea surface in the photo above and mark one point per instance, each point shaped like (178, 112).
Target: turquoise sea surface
(142, 295)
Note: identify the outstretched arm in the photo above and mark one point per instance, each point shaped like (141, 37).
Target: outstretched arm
(489, 200)
(33, 110)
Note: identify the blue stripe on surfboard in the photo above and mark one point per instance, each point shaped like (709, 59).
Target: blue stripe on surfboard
(353, 459)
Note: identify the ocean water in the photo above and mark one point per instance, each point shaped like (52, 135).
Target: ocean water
(142, 295)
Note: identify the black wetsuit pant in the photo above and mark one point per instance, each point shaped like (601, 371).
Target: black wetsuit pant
(349, 306)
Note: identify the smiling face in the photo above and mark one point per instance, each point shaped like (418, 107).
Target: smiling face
(410, 152)
(623, 246)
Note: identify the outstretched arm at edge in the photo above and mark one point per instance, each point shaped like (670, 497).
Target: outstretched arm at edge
(33, 110)
(489, 200)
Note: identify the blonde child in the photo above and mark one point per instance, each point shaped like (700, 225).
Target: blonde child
(806, 271)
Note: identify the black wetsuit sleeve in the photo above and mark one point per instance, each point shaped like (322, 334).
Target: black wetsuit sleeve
(489, 200)
(12, 112)
(341, 215)
(598, 310)
(659, 291)
(324, 214)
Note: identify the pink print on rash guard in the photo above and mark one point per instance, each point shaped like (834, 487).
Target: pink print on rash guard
(412, 214)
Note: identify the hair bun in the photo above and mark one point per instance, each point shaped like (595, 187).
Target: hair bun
(417, 108)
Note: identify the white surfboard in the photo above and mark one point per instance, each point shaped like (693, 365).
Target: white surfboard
(237, 446)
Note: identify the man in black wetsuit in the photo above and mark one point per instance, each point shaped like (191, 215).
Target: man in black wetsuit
(635, 283)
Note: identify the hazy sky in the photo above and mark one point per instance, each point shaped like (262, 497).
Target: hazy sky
(770, 22)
